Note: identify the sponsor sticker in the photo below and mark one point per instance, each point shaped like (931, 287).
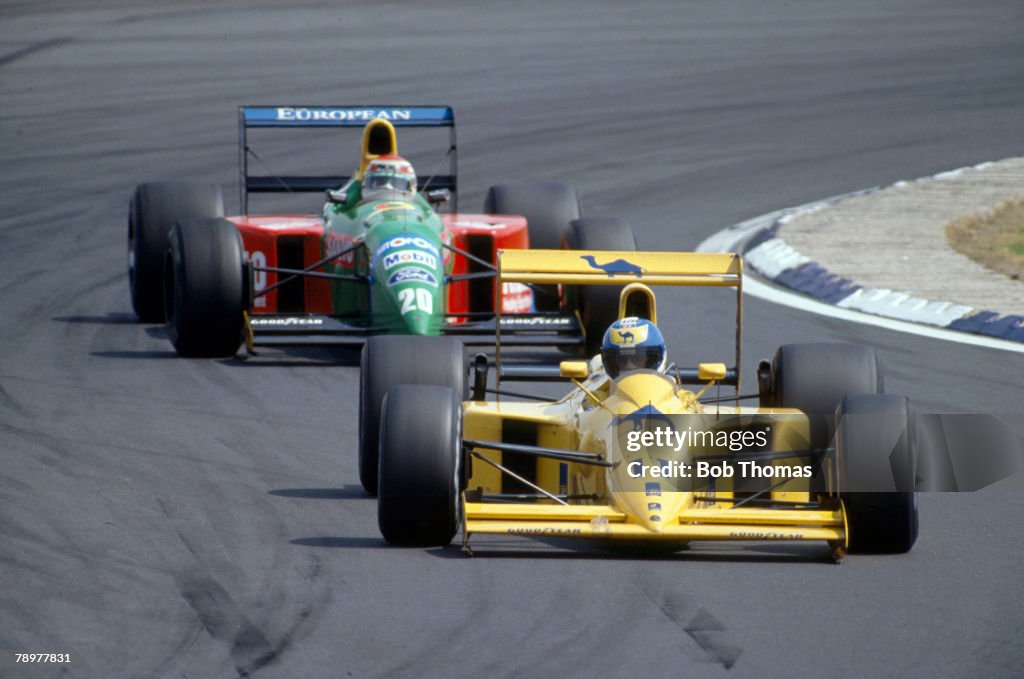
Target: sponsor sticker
(390, 206)
(516, 298)
(406, 241)
(341, 114)
(411, 274)
(286, 321)
(409, 257)
(652, 488)
(628, 337)
(338, 242)
(536, 321)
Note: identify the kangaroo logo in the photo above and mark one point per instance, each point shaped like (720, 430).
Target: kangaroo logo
(618, 266)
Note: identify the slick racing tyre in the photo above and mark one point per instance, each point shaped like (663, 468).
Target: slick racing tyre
(815, 377)
(390, 360)
(598, 305)
(154, 209)
(877, 459)
(549, 208)
(420, 465)
(204, 288)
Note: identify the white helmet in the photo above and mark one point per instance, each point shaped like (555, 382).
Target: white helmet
(389, 177)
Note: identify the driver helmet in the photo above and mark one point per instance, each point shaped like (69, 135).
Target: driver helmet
(389, 177)
(632, 344)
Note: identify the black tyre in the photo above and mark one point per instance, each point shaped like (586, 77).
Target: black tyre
(549, 208)
(390, 360)
(598, 305)
(815, 377)
(420, 465)
(875, 446)
(204, 288)
(153, 211)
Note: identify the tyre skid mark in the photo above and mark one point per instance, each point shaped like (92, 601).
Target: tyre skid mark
(702, 627)
(32, 49)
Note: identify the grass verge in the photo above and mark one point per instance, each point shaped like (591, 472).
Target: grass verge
(994, 239)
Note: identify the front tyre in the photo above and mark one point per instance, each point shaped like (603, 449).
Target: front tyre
(204, 288)
(878, 464)
(421, 462)
(389, 360)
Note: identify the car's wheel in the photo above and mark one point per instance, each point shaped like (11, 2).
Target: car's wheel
(389, 360)
(549, 208)
(815, 377)
(153, 211)
(598, 305)
(420, 465)
(877, 459)
(204, 288)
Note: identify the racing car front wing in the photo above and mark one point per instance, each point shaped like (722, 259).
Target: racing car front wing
(604, 522)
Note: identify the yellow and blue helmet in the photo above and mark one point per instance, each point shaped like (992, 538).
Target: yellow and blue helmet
(632, 344)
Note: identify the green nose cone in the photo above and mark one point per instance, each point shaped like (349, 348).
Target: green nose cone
(419, 323)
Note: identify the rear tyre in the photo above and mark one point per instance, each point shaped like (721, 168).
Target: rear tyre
(815, 377)
(549, 208)
(204, 288)
(878, 462)
(153, 211)
(598, 305)
(420, 465)
(390, 360)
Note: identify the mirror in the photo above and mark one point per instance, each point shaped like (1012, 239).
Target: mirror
(576, 370)
(337, 197)
(437, 196)
(710, 371)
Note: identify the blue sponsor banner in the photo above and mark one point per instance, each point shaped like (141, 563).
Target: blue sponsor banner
(346, 116)
(652, 488)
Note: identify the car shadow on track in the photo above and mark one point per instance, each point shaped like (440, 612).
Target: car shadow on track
(342, 542)
(134, 354)
(111, 318)
(555, 549)
(347, 492)
(538, 549)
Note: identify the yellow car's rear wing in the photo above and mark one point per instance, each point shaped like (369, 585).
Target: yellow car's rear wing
(581, 267)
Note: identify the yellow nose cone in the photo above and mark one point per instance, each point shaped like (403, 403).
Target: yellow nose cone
(653, 509)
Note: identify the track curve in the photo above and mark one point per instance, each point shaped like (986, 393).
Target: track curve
(161, 517)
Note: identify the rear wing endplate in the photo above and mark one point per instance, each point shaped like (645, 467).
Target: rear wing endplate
(335, 116)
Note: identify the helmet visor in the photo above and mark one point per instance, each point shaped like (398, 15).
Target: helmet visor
(617, 360)
(386, 182)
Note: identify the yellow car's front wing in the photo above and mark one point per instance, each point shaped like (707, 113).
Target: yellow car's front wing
(597, 521)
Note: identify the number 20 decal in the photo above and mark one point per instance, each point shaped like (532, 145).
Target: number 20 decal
(413, 299)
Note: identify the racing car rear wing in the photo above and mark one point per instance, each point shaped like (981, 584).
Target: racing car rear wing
(335, 116)
(579, 267)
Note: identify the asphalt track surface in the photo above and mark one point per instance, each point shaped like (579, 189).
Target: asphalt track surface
(164, 517)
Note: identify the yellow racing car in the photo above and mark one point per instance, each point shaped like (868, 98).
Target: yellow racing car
(641, 449)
